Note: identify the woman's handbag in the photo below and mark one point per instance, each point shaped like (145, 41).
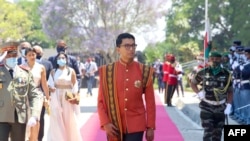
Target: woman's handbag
(72, 98)
(46, 105)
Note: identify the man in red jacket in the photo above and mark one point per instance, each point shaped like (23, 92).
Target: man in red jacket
(165, 75)
(124, 87)
(172, 79)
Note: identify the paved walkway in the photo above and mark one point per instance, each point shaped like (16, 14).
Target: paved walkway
(189, 106)
(185, 115)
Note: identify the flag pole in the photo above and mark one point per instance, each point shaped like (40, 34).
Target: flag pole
(206, 34)
(204, 46)
(206, 14)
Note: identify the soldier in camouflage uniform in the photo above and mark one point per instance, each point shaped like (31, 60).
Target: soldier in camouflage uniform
(17, 91)
(215, 95)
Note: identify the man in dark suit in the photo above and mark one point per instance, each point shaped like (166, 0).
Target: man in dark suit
(48, 66)
(61, 46)
(21, 48)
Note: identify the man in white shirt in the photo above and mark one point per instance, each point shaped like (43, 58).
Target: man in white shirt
(179, 78)
(90, 69)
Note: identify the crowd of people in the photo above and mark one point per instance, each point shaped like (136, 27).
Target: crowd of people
(30, 84)
(168, 74)
(239, 66)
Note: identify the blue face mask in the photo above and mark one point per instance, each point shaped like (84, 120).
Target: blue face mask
(11, 62)
(61, 62)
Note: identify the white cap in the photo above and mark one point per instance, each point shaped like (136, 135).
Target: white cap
(232, 48)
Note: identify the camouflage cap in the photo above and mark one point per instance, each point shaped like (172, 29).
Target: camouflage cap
(10, 47)
(215, 54)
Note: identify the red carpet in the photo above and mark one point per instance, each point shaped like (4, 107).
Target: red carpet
(165, 128)
(91, 130)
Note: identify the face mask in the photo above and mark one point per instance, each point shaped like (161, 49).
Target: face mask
(60, 49)
(61, 62)
(11, 62)
(23, 52)
(215, 64)
(216, 69)
(38, 56)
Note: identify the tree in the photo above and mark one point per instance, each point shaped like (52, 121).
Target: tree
(36, 36)
(226, 20)
(179, 41)
(14, 22)
(186, 24)
(93, 25)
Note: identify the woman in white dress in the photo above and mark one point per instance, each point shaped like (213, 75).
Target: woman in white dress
(63, 118)
(39, 74)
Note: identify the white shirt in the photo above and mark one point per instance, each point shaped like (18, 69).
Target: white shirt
(91, 68)
(81, 67)
(179, 68)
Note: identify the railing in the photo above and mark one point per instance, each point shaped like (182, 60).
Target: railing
(190, 64)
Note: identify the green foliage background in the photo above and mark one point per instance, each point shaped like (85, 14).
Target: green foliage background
(229, 21)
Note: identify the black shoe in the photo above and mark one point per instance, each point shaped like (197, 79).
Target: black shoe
(170, 105)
